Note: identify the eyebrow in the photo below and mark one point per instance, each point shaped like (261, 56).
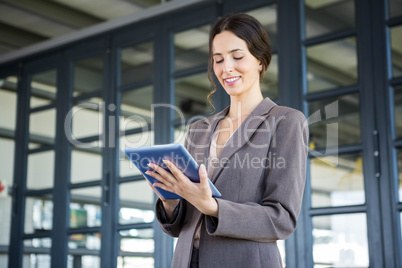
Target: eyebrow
(231, 51)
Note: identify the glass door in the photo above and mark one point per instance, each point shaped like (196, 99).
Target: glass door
(40, 169)
(86, 136)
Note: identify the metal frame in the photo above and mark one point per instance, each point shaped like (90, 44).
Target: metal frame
(99, 29)
(382, 207)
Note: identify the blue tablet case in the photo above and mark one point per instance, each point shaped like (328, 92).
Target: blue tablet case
(177, 154)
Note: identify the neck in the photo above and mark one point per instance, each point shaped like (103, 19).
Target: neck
(241, 107)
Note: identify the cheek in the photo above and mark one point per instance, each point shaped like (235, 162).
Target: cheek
(218, 71)
(249, 67)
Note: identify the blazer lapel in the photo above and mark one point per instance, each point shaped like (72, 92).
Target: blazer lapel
(243, 133)
(202, 142)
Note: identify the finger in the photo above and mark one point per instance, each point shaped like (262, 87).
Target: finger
(204, 181)
(163, 186)
(175, 171)
(155, 191)
(157, 176)
(167, 176)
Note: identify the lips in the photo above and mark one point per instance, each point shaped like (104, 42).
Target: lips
(231, 80)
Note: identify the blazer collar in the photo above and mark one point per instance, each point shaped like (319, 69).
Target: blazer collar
(242, 134)
(262, 109)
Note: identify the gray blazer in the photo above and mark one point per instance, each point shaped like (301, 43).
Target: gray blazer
(261, 175)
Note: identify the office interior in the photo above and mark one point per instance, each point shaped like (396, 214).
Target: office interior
(80, 80)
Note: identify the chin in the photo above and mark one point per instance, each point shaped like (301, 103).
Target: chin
(234, 91)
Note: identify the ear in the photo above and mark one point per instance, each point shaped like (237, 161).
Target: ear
(260, 67)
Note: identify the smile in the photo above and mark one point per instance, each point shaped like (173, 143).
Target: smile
(231, 80)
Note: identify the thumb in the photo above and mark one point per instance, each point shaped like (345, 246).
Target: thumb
(203, 174)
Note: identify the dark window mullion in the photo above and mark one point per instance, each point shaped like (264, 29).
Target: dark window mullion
(20, 171)
(135, 85)
(330, 37)
(86, 184)
(325, 211)
(42, 108)
(83, 230)
(345, 149)
(394, 21)
(122, 227)
(332, 93)
(131, 179)
(395, 81)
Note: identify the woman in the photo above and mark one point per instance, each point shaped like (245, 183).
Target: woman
(253, 151)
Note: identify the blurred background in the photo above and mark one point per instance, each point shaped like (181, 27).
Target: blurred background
(77, 82)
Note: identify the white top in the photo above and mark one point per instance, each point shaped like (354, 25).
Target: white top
(211, 166)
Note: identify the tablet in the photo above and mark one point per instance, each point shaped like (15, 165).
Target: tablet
(175, 153)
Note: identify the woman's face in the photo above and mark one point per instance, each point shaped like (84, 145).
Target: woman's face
(236, 68)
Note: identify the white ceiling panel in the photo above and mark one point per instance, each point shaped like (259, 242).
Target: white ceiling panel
(105, 9)
(32, 22)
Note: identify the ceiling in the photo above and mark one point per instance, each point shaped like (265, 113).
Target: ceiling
(27, 22)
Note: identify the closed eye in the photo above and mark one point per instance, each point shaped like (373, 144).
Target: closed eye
(238, 58)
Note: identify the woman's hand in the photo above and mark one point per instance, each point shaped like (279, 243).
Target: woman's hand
(168, 204)
(198, 194)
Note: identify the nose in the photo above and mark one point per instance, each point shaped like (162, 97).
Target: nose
(228, 66)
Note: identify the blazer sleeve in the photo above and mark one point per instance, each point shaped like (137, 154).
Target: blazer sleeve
(173, 226)
(276, 216)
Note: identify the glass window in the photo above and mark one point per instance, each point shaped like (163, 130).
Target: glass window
(9, 83)
(86, 165)
(140, 139)
(36, 260)
(328, 16)
(395, 8)
(135, 109)
(136, 115)
(38, 214)
(340, 241)
(42, 126)
(87, 118)
(91, 241)
(137, 240)
(334, 122)
(88, 76)
(136, 202)
(269, 85)
(399, 155)
(396, 50)
(4, 259)
(40, 170)
(7, 162)
(337, 180)
(83, 250)
(85, 208)
(38, 243)
(191, 48)
(31, 256)
(6, 182)
(332, 65)
(129, 262)
(282, 251)
(137, 63)
(398, 110)
(267, 16)
(8, 103)
(80, 260)
(43, 88)
(191, 95)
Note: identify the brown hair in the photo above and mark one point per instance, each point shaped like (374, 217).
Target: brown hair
(251, 31)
